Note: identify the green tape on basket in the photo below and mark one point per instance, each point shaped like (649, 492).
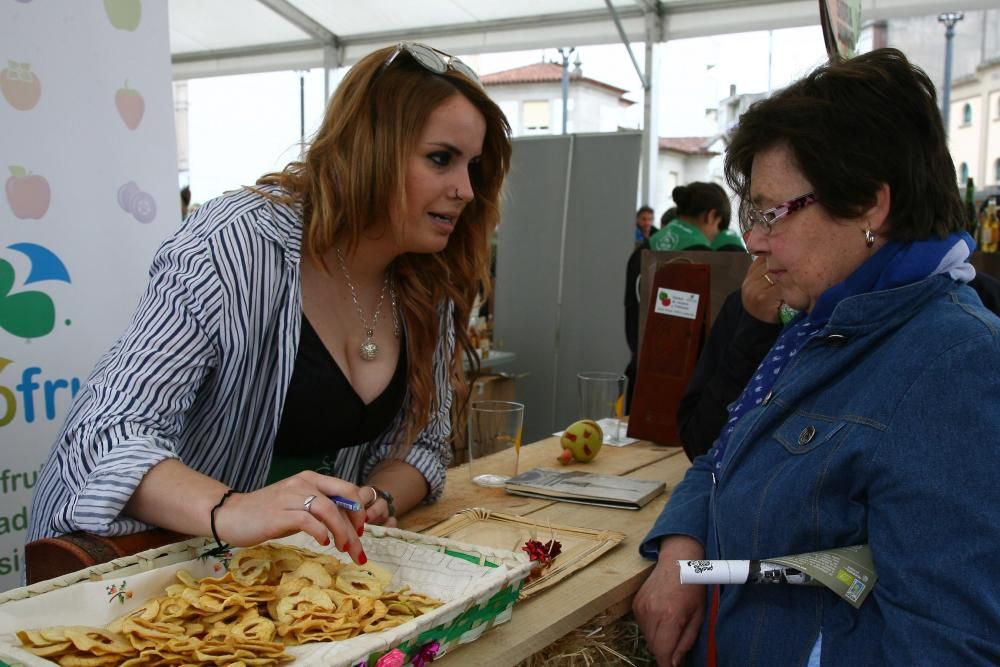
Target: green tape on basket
(468, 557)
(467, 620)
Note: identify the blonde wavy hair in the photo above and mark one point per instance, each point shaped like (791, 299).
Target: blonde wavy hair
(354, 173)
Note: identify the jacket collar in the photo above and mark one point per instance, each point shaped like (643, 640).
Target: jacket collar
(280, 222)
(872, 310)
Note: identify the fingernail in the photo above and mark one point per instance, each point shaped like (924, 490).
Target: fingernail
(361, 530)
(326, 542)
(362, 558)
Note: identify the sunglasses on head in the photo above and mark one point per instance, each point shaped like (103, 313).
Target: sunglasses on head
(432, 60)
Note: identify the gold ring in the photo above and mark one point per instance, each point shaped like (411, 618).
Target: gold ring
(374, 497)
(768, 279)
(307, 503)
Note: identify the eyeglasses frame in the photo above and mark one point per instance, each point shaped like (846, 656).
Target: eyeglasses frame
(768, 218)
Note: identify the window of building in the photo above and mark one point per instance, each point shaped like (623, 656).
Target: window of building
(967, 114)
(537, 117)
(963, 173)
(996, 171)
(673, 180)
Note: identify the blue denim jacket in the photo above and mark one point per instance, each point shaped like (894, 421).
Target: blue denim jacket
(884, 430)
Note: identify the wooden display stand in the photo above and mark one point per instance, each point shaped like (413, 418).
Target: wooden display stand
(676, 325)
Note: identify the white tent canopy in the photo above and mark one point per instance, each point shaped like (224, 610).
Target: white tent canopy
(219, 37)
(216, 37)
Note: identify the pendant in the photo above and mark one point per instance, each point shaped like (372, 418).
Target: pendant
(368, 349)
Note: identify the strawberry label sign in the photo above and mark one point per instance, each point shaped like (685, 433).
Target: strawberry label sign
(676, 303)
(130, 105)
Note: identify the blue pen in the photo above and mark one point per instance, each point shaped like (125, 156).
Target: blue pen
(346, 503)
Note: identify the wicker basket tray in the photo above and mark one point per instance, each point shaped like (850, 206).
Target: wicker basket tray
(487, 582)
(580, 546)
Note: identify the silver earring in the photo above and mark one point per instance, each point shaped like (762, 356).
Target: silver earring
(869, 237)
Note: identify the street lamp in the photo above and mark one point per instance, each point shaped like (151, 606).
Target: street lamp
(949, 19)
(565, 53)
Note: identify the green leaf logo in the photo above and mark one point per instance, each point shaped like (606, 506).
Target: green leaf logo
(25, 314)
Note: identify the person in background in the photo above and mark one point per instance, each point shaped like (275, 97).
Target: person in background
(701, 222)
(302, 338)
(870, 420)
(699, 206)
(643, 224)
(667, 216)
(632, 268)
(185, 201)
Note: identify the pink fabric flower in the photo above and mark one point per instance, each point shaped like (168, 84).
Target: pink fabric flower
(394, 658)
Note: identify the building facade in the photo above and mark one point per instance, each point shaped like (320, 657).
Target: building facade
(531, 98)
(974, 126)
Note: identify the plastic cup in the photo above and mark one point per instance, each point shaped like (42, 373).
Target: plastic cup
(601, 398)
(494, 441)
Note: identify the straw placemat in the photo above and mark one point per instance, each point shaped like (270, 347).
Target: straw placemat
(580, 546)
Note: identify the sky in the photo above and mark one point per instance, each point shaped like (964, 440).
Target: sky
(243, 126)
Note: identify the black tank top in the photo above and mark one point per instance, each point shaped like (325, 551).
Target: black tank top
(322, 412)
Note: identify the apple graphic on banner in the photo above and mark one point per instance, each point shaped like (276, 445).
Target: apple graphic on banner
(130, 105)
(19, 85)
(124, 14)
(28, 194)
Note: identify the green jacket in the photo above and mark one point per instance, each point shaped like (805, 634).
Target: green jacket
(681, 235)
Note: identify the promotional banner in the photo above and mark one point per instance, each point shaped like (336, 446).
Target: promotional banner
(88, 160)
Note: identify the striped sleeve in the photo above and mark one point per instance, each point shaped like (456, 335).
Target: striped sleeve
(141, 393)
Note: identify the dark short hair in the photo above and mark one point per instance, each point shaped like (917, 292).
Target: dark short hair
(643, 209)
(668, 215)
(853, 125)
(697, 197)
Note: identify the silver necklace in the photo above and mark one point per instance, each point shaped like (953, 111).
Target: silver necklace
(368, 348)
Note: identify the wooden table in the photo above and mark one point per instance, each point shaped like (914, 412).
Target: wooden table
(606, 585)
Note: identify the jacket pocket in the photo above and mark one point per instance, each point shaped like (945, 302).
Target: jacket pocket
(803, 432)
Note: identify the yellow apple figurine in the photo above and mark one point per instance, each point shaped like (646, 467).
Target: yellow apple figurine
(581, 441)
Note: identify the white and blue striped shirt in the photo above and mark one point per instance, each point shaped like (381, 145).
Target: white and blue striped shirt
(201, 373)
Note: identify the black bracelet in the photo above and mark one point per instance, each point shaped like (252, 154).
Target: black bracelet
(225, 496)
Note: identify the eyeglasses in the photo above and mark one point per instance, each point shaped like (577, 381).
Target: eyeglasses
(769, 218)
(432, 60)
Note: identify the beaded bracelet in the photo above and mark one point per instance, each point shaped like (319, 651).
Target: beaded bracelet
(219, 545)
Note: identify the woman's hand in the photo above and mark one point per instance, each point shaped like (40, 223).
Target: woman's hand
(670, 613)
(279, 510)
(761, 297)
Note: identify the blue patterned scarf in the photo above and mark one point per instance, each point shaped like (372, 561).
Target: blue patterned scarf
(894, 265)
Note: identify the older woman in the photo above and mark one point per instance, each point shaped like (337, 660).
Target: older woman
(873, 419)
